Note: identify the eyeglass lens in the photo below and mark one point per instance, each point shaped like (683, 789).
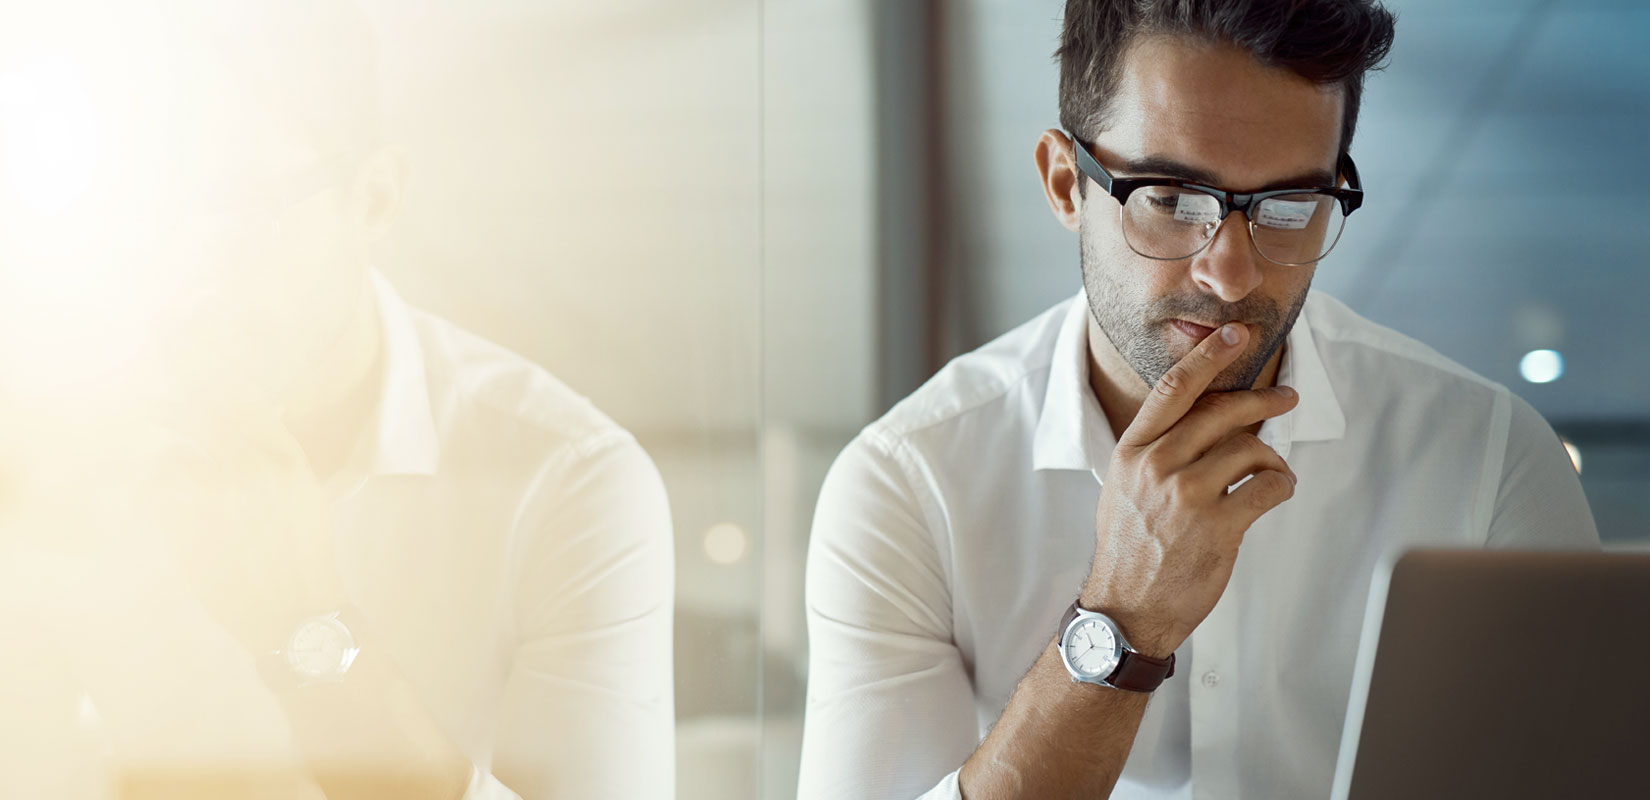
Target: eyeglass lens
(1168, 222)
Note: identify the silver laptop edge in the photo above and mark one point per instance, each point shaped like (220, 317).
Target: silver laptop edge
(1379, 582)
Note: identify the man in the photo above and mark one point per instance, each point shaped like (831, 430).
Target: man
(1197, 455)
(268, 530)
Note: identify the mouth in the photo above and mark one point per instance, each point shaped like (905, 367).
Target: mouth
(1192, 330)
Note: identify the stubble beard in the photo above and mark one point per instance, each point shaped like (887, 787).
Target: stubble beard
(1139, 327)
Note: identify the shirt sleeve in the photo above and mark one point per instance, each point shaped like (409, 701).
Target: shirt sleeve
(588, 707)
(1540, 503)
(890, 710)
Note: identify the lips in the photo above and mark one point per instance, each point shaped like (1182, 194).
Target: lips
(1191, 329)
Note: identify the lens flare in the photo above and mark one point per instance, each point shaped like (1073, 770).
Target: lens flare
(49, 134)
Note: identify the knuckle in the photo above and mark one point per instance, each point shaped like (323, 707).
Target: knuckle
(1178, 488)
(1155, 464)
(1273, 489)
(1172, 383)
(1240, 445)
(1252, 444)
(1217, 403)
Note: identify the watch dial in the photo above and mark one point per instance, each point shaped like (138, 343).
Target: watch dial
(320, 648)
(1092, 649)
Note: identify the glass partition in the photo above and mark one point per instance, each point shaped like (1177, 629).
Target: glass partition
(384, 387)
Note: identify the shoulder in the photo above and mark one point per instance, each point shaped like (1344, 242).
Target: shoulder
(1382, 365)
(497, 394)
(901, 468)
(578, 486)
(1011, 368)
(510, 428)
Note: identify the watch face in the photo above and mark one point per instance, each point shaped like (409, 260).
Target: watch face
(321, 648)
(1092, 649)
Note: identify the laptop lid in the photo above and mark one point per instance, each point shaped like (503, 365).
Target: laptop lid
(1501, 674)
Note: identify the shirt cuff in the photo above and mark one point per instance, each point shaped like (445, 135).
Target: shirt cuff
(483, 786)
(946, 789)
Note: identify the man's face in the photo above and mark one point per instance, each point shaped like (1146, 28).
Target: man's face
(1217, 112)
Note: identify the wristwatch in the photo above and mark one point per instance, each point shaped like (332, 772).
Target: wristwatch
(1094, 651)
(320, 649)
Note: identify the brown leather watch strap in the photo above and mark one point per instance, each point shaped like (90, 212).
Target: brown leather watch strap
(1135, 672)
(1141, 673)
(1065, 622)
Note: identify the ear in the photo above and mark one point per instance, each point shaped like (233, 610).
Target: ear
(1057, 167)
(377, 190)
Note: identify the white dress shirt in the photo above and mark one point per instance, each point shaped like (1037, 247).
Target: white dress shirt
(512, 547)
(952, 533)
(507, 547)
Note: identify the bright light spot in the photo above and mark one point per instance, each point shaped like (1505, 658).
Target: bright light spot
(725, 543)
(1541, 366)
(1575, 453)
(49, 143)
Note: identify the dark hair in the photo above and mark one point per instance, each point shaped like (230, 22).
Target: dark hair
(1324, 41)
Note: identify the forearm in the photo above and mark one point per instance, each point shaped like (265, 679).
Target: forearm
(1056, 738)
(371, 737)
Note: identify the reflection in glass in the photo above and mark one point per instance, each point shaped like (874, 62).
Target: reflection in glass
(270, 529)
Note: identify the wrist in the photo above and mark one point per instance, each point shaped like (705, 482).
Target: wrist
(317, 650)
(1144, 632)
(1150, 641)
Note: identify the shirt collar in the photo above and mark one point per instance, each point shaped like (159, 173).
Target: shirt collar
(1072, 432)
(402, 437)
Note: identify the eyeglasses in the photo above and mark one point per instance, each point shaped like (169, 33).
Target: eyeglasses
(1168, 219)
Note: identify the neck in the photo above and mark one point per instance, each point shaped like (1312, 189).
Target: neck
(1120, 390)
(327, 410)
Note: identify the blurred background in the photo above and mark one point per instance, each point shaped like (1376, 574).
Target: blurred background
(1503, 155)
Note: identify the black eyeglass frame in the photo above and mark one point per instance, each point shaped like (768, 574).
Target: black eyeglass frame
(1350, 196)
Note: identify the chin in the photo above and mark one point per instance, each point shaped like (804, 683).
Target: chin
(1229, 382)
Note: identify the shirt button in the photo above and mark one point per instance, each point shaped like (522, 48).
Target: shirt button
(1211, 679)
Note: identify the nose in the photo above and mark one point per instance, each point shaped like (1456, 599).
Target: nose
(1229, 267)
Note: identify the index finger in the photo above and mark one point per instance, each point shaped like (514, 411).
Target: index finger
(1184, 383)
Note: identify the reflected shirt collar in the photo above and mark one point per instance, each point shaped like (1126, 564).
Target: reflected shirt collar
(401, 438)
(1072, 432)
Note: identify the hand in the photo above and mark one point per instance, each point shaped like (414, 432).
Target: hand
(1167, 529)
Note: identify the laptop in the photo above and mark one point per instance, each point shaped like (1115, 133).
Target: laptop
(1507, 675)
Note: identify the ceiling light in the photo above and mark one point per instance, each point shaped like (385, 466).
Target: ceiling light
(725, 543)
(1541, 366)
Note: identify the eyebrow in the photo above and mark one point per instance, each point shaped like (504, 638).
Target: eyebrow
(1163, 167)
